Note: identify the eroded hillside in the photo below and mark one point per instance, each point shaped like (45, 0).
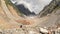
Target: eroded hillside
(12, 22)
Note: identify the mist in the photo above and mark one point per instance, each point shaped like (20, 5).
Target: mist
(33, 5)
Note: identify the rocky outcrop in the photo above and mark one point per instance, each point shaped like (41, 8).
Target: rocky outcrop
(49, 8)
(24, 10)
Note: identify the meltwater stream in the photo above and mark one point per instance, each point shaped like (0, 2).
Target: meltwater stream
(31, 7)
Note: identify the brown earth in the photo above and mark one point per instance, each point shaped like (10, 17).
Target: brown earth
(13, 20)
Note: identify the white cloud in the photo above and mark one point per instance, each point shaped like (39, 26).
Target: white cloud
(33, 5)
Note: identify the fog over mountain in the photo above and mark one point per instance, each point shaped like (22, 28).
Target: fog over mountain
(33, 5)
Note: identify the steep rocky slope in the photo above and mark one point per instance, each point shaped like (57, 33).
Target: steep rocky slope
(12, 23)
(49, 8)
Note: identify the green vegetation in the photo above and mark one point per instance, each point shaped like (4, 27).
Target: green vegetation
(8, 2)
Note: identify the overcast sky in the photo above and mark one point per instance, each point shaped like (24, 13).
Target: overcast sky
(33, 5)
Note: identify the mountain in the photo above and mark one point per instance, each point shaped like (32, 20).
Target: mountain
(49, 8)
(13, 23)
(31, 6)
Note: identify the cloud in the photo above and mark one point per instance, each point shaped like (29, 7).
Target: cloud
(33, 5)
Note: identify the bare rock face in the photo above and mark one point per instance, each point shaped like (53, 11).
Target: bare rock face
(49, 8)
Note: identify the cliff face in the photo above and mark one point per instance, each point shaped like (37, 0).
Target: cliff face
(49, 8)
